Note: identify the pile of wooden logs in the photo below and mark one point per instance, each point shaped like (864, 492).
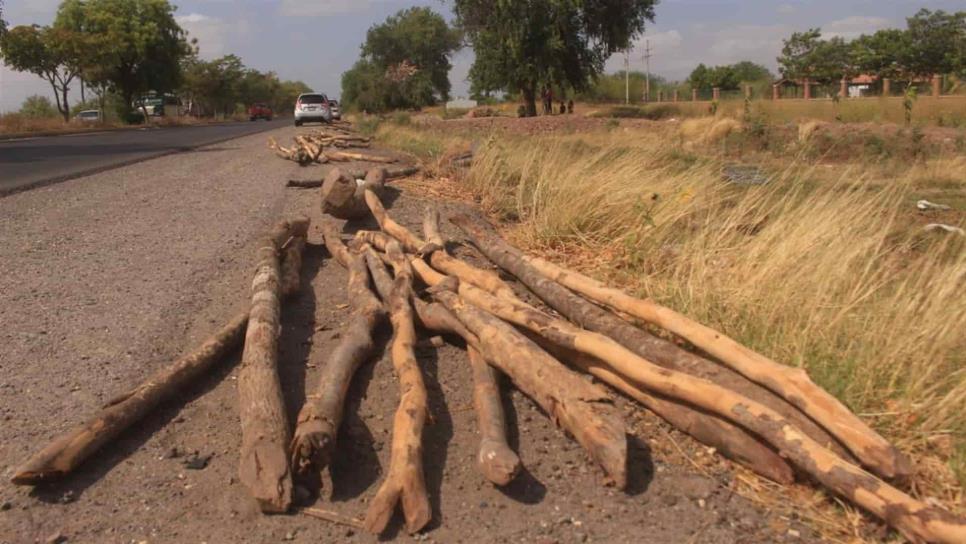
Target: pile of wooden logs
(766, 416)
(310, 148)
(769, 417)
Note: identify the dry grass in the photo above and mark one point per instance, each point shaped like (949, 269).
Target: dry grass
(827, 269)
(14, 123)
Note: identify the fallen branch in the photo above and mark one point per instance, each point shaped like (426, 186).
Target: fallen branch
(332, 517)
(581, 408)
(405, 478)
(914, 519)
(791, 384)
(350, 156)
(392, 172)
(63, 455)
(319, 419)
(263, 467)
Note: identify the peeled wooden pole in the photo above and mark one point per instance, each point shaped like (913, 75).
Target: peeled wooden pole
(405, 479)
(66, 453)
(439, 258)
(914, 519)
(263, 467)
(581, 408)
(496, 460)
(350, 156)
(791, 384)
(319, 419)
(391, 173)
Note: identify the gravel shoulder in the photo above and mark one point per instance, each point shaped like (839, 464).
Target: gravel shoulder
(107, 278)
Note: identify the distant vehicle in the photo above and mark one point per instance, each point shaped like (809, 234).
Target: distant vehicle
(259, 111)
(89, 116)
(335, 109)
(312, 107)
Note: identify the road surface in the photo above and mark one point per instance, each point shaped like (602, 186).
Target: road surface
(32, 162)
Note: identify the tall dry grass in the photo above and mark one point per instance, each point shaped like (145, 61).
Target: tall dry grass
(828, 272)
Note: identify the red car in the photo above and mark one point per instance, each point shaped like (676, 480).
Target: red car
(259, 111)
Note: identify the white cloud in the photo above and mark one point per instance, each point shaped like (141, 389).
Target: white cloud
(853, 27)
(213, 34)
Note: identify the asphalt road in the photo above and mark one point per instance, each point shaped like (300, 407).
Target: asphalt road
(31, 162)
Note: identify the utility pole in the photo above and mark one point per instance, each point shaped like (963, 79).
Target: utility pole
(627, 76)
(647, 70)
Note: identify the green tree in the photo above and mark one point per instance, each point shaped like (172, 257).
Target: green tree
(133, 46)
(749, 72)
(53, 53)
(522, 45)
(936, 43)
(807, 55)
(405, 63)
(882, 54)
(38, 107)
(215, 85)
(287, 93)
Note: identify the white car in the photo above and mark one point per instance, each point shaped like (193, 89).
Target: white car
(312, 107)
(89, 116)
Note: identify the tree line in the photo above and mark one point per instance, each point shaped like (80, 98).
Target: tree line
(124, 49)
(933, 43)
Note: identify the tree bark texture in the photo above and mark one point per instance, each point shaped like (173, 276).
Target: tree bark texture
(264, 467)
(343, 196)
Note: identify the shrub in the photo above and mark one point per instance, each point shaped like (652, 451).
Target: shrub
(38, 107)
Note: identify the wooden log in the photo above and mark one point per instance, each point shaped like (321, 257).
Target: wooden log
(731, 441)
(791, 384)
(63, 455)
(344, 196)
(405, 479)
(392, 172)
(581, 408)
(440, 260)
(350, 156)
(916, 520)
(319, 419)
(496, 460)
(263, 467)
(431, 227)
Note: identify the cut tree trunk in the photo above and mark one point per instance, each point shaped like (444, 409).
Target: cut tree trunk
(405, 479)
(914, 519)
(318, 421)
(581, 408)
(439, 258)
(496, 460)
(263, 467)
(791, 384)
(66, 453)
(350, 156)
(344, 197)
(392, 172)
(431, 227)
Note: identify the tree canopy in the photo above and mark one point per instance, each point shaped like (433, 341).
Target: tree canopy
(54, 53)
(405, 63)
(521, 46)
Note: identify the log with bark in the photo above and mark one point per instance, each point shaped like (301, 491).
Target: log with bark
(263, 467)
(63, 455)
(405, 480)
(343, 196)
(913, 518)
(581, 408)
(319, 419)
(496, 460)
(345, 156)
(392, 172)
(791, 384)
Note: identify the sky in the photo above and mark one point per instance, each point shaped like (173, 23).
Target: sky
(315, 41)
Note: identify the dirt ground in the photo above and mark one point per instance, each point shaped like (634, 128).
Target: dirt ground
(107, 278)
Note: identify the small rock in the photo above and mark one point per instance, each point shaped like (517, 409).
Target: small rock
(197, 462)
(7, 505)
(289, 536)
(794, 533)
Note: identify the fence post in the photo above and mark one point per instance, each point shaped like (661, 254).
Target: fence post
(694, 95)
(716, 93)
(776, 93)
(675, 95)
(937, 85)
(843, 88)
(748, 91)
(886, 86)
(808, 89)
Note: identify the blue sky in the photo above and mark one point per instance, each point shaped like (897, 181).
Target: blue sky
(316, 41)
